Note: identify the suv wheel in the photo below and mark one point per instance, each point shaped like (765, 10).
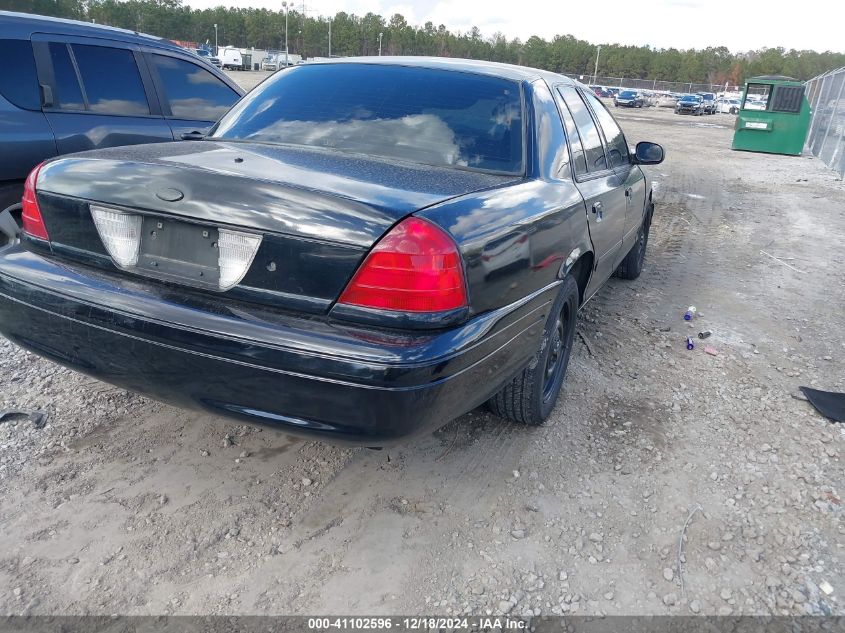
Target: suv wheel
(10, 225)
(530, 397)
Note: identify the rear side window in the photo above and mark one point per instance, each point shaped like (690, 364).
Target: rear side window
(192, 91)
(421, 115)
(18, 79)
(616, 146)
(587, 129)
(111, 80)
(578, 157)
(68, 94)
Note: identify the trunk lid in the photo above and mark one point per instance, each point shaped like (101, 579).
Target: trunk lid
(317, 213)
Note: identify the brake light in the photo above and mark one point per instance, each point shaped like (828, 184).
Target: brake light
(416, 267)
(33, 223)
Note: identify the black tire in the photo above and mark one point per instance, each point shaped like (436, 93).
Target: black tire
(530, 397)
(632, 265)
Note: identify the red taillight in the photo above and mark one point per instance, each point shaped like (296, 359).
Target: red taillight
(33, 223)
(416, 267)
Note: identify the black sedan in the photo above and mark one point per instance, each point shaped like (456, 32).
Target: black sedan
(629, 99)
(359, 250)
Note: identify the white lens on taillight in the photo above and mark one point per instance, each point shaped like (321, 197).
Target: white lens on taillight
(235, 254)
(121, 234)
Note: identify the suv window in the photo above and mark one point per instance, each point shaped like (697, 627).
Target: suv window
(68, 94)
(111, 80)
(617, 148)
(587, 129)
(19, 80)
(193, 92)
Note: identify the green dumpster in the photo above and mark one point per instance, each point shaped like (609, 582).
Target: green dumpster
(774, 117)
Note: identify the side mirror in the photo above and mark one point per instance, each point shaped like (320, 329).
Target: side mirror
(648, 153)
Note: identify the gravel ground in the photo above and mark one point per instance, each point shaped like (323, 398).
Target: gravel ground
(124, 505)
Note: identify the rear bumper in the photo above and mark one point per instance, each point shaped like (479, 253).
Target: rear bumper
(309, 376)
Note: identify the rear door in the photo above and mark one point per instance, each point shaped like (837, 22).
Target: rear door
(631, 177)
(95, 94)
(192, 97)
(600, 185)
(25, 136)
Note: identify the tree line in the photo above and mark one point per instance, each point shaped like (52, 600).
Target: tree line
(308, 36)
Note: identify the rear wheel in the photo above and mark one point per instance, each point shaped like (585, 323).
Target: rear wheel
(632, 265)
(530, 397)
(10, 223)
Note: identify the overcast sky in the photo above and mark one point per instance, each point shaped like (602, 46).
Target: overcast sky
(738, 24)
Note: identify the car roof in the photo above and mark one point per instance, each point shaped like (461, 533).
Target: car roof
(493, 69)
(24, 25)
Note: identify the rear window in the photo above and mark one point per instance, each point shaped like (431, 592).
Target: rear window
(422, 115)
(18, 79)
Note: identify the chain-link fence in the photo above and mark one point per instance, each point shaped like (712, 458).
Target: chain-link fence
(826, 139)
(650, 84)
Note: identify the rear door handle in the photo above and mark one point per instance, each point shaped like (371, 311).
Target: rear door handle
(597, 208)
(46, 96)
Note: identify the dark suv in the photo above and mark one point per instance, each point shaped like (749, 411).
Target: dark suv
(71, 86)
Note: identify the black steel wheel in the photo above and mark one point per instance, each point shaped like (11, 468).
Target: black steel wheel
(632, 265)
(530, 396)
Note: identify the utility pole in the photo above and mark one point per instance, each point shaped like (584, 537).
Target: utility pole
(285, 6)
(380, 35)
(216, 52)
(330, 38)
(596, 68)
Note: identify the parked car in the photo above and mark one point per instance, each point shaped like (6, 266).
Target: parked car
(276, 61)
(689, 104)
(649, 98)
(322, 270)
(666, 100)
(755, 104)
(629, 99)
(727, 106)
(76, 86)
(271, 62)
(207, 56)
(231, 58)
(708, 102)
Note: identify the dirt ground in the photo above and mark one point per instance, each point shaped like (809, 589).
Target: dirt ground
(124, 505)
